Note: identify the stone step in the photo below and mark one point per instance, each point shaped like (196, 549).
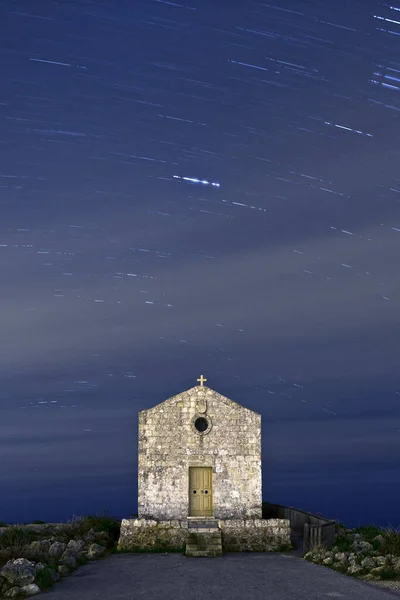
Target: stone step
(203, 524)
(211, 537)
(201, 542)
(192, 546)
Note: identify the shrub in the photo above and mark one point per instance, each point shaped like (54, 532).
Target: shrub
(111, 525)
(318, 548)
(82, 560)
(79, 527)
(20, 551)
(368, 532)
(391, 542)
(343, 544)
(44, 579)
(16, 536)
(38, 522)
(388, 573)
(285, 548)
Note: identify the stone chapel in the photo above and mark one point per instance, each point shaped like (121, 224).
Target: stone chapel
(199, 456)
(199, 478)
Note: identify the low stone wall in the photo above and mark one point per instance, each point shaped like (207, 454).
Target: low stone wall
(146, 534)
(253, 535)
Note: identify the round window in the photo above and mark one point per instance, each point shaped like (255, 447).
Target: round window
(201, 424)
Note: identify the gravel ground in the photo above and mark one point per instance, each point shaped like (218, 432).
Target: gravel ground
(394, 586)
(234, 576)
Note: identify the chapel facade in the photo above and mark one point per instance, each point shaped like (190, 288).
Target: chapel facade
(199, 457)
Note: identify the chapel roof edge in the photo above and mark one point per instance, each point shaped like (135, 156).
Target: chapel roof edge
(202, 387)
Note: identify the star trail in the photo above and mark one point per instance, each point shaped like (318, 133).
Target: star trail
(207, 187)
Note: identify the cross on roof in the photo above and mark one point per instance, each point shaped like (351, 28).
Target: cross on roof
(201, 379)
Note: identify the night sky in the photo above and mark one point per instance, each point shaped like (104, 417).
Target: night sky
(204, 188)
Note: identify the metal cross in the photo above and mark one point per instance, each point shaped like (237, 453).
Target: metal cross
(201, 379)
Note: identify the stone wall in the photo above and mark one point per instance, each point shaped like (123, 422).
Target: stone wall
(255, 535)
(169, 444)
(238, 535)
(144, 535)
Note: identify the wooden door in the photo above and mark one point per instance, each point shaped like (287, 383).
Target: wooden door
(200, 491)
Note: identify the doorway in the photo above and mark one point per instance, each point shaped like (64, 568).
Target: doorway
(200, 491)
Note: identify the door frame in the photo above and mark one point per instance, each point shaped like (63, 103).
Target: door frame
(206, 516)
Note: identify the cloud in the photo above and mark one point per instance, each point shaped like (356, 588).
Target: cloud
(265, 292)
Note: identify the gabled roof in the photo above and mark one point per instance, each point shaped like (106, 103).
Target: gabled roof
(215, 395)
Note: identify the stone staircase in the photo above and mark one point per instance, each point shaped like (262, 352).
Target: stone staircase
(203, 537)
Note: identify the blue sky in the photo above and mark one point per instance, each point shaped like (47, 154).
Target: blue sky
(126, 273)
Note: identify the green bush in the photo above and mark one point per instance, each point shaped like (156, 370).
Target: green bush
(343, 544)
(111, 525)
(39, 522)
(79, 527)
(388, 573)
(368, 532)
(285, 548)
(391, 542)
(16, 536)
(44, 579)
(391, 538)
(82, 560)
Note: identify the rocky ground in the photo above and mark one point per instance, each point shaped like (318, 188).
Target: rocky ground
(368, 553)
(34, 557)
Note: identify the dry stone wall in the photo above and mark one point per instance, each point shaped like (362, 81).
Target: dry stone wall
(141, 535)
(169, 444)
(238, 535)
(255, 535)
